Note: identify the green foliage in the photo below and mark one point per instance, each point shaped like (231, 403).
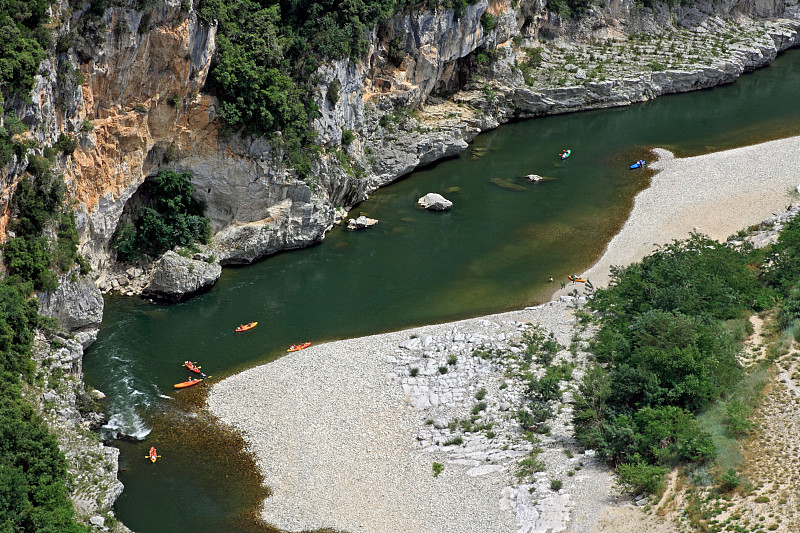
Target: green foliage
(66, 144)
(171, 217)
(697, 276)
(488, 22)
(556, 484)
(333, 92)
(32, 469)
(347, 136)
(28, 258)
(396, 53)
(640, 477)
(541, 345)
(736, 418)
(730, 480)
(670, 346)
(438, 468)
(26, 39)
(37, 206)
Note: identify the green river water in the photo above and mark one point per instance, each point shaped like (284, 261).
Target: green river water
(494, 251)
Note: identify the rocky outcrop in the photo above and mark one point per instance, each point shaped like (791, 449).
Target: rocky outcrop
(362, 222)
(176, 277)
(77, 305)
(92, 466)
(434, 202)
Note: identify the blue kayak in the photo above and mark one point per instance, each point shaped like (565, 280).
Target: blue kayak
(638, 164)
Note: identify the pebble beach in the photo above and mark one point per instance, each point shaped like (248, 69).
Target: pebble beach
(348, 433)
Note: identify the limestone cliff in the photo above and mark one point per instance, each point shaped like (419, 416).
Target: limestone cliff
(141, 107)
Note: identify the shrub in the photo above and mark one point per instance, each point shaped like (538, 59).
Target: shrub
(333, 92)
(736, 418)
(640, 477)
(437, 469)
(481, 406)
(347, 136)
(555, 484)
(396, 53)
(66, 144)
(488, 22)
(730, 480)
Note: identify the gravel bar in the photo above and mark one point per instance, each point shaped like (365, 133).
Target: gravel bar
(334, 433)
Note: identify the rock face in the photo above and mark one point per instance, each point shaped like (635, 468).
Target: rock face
(93, 466)
(77, 304)
(435, 202)
(176, 277)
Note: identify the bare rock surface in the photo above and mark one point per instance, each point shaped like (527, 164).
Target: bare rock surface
(435, 202)
(176, 277)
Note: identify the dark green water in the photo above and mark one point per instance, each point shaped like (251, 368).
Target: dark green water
(493, 252)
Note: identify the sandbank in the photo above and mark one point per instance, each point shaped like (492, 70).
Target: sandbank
(337, 441)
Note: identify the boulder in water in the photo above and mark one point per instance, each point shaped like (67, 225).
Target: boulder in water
(435, 202)
(361, 222)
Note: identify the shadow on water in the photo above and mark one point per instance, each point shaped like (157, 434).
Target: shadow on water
(494, 251)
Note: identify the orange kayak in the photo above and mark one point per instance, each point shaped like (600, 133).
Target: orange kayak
(192, 366)
(298, 347)
(245, 327)
(184, 384)
(576, 279)
(153, 454)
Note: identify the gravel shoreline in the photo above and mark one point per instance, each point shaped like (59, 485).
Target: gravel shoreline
(343, 431)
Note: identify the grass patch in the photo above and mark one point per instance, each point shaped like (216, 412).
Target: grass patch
(715, 420)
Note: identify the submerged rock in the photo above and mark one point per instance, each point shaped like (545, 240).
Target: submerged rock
(176, 277)
(435, 202)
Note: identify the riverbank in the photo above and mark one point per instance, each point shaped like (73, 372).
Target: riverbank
(346, 433)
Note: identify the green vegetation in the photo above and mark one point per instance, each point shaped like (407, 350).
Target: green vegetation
(32, 469)
(268, 51)
(26, 39)
(37, 207)
(170, 217)
(670, 351)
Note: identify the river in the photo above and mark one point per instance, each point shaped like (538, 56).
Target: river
(494, 251)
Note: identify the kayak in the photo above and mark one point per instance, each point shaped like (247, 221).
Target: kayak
(153, 455)
(565, 154)
(189, 383)
(245, 327)
(193, 367)
(298, 347)
(576, 279)
(638, 164)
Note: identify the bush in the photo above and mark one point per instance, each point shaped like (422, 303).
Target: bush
(640, 477)
(556, 484)
(488, 22)
(333, 92)
(730, 480)
(66, 144)
(347, 136)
